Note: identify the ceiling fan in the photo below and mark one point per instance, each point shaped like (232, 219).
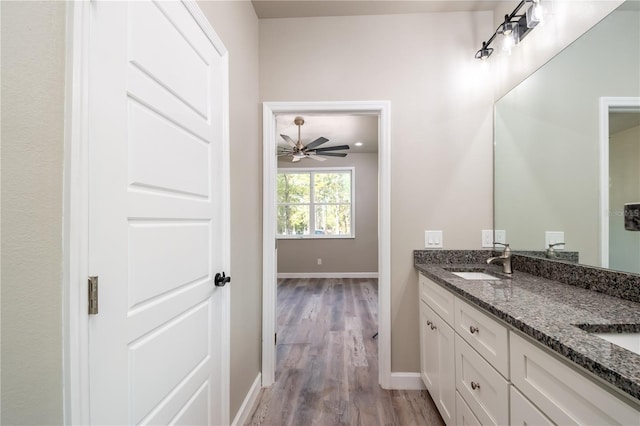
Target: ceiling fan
(298, 151)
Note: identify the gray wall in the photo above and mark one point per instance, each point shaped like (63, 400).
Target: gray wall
(33, 48)
(33, 54)
(441, 164)
(237, 25)
(441, 124)
(359, 254)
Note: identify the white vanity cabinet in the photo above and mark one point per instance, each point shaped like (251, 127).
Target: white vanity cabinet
(481, 386)
(479, 371)
(523, 412)
(452, 368)
(482, 364)
(436, 353)
(564, 395)
(486, 335)
(464, 415)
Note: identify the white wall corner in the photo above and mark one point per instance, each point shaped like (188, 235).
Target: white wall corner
(249, 401)
(406, 381)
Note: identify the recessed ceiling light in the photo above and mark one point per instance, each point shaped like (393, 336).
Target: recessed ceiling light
(358, 144)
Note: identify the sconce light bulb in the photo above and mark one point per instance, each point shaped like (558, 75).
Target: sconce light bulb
(507, 44)
(507, 26)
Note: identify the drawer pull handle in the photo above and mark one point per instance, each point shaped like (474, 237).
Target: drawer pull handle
(433, 327)
(429, 323)
(473, 329)
(475, 385)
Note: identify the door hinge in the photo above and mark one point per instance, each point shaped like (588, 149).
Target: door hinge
(275, 338)
(93, 295)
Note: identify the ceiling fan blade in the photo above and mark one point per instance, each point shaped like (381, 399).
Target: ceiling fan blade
(331, 148)
(333, 154)
(315, 143)
(289, 140)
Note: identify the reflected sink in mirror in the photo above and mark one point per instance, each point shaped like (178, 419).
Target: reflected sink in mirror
(475, 276)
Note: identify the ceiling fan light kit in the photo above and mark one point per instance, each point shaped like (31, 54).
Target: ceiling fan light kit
(297, 151)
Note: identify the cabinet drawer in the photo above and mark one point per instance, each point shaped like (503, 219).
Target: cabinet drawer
(563, 394)
(464, 415)
(482, 387)
(484, 334)
(523, 412)
(438, 298)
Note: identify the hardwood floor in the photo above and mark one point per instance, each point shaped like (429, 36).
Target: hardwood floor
(327, 362)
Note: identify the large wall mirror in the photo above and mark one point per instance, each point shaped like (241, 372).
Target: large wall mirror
(567, 149)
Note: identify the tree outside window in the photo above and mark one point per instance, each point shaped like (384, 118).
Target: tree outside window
(315, 203)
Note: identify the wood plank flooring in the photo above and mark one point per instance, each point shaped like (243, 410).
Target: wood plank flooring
(327, 361)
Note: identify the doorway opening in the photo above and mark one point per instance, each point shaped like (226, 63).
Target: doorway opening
(619, 181)
(271, 111)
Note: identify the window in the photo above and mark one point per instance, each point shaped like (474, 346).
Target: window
(315, 203)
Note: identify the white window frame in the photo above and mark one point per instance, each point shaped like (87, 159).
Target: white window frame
(312, 203)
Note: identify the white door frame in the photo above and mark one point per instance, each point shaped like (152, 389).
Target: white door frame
(75, 320)
(269, 268)
(608, 104)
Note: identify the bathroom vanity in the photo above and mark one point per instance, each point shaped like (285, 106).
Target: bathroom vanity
(523, 349)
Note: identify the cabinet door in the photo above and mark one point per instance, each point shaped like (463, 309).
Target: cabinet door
(438, 362)
(523, 412)
(446, 397)
(563, 394)
(428, 349)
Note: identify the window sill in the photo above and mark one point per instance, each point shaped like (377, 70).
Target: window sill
(315, 237)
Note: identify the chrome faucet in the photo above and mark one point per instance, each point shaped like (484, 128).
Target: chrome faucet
(551, 253)
(504, 259)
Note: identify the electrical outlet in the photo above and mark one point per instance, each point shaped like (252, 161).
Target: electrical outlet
(319, 261)
(433, 239)
(500, 236)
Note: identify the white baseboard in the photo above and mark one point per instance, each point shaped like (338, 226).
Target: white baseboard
(247, 405)
(406, 381)
(327, 275)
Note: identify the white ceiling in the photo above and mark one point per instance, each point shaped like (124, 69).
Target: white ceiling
(266, 9)
(340, 129)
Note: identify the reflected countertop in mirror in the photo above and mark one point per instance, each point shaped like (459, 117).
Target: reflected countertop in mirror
(548, 148)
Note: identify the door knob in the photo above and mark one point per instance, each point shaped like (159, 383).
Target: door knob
(220, 280)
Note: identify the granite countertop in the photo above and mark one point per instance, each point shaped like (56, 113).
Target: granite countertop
(548, 311)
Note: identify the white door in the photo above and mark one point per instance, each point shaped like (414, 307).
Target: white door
(158, 215)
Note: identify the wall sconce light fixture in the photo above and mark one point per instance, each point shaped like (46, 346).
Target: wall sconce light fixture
(514, 28)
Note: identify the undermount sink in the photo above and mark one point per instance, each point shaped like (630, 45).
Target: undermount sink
(629, 341)
(624, 335)
(475, 276)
